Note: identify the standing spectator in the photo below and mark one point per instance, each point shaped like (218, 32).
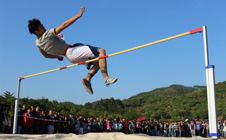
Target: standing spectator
(182, 129)
(8, 115)
(18, 121)
(77, 126)
(179, 128)
(104, 126)
(142, 127)
(175, 128)
(157, 130)
(198, 128)
(42, 122)
(131, 127)
(60, 124)
(166, 129)
(108, 126)
(161, 128)
(221, 126)
(36, 123)
(32, 115)
(152, 129)
(192, 128)
(125, 125)
(137, 127)
(55, 124)
(5, 122)
(85, 126)
(95, 125)
(66, 125)
(115, 126)
(89, 124)
(81, 124)
(28, 121)
(97, 122)
(50, 124)
(73, 122)
(171, 129)
(120, 127)
(188, 129)
(224, 129)
(2, 118)
(32, 110)
(101, 126)
(111, 123)
(23, 110)
(203, 129)
(146, 127)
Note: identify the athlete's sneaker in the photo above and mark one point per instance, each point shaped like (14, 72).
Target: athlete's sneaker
(110, 81)
(87, 86)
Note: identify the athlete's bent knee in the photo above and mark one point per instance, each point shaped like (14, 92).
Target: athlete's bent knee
(102, 51)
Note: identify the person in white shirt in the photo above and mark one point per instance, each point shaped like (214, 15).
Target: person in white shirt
(224, 129)
(192, 128)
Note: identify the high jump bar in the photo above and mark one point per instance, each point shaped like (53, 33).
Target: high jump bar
(128, 50)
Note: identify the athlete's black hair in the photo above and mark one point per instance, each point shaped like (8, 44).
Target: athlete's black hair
(33, 25)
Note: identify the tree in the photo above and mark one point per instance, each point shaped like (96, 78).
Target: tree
(131, 115)
(88, 105)
(8, 95)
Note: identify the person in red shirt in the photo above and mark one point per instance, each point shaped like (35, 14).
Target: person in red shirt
(125, 126)
(28, 121)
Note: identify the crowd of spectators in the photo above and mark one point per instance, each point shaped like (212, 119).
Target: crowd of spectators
(34, 121)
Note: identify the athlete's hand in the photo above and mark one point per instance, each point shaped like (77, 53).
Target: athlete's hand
(60, 58)
(82, 9)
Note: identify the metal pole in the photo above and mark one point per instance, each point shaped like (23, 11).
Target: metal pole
(16, 108)
(205, 46)
(211, 94)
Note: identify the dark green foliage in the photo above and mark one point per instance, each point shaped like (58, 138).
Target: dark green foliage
(172, 103)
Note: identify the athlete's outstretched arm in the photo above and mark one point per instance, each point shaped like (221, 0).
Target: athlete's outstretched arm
(70, 21)
(47, 55)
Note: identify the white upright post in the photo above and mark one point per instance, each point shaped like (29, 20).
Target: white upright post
(16, 108)
(211, 94)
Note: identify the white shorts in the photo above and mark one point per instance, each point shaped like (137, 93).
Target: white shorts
(80, 53)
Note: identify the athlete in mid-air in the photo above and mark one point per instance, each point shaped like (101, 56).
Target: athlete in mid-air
(52, 46)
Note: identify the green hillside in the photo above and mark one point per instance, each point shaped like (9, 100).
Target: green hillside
(175, 103)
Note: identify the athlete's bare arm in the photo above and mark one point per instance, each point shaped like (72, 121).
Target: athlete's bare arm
(47, 55)
(69, 22)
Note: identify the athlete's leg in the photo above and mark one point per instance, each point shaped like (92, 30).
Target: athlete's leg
(93, 70)
(103, 64)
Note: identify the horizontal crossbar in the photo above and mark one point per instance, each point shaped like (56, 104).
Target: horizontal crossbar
(128, 50)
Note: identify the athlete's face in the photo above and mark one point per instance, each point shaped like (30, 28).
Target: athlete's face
(41, 30)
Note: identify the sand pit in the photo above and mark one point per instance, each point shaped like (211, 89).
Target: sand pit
(94, 136)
